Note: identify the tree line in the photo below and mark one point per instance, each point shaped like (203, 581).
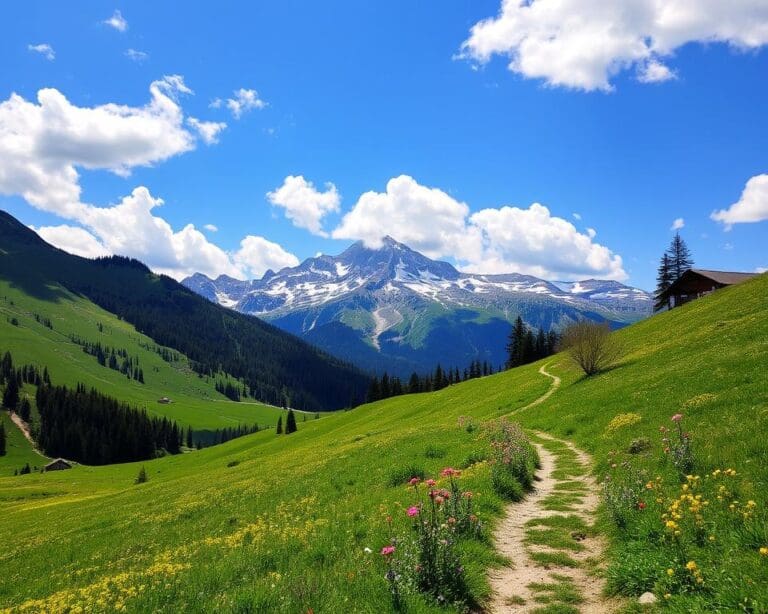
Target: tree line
(524, 347)
(115, 359)
(93, 428)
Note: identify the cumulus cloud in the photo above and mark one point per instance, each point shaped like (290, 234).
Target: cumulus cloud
(136, 55)
(492, 240)
(117, 21)
(304, 205)
(208, 131)
(257, 254)
(678, 224)
(43, 49)
(244, 100)
(751, 207)
(426, 219)
(73, 239)
(211, 228)
(582, 44)
(44, 145)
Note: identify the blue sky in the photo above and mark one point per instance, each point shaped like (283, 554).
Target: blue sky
(374, 98)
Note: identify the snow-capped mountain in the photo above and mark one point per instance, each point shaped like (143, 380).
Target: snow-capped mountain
(393, 308)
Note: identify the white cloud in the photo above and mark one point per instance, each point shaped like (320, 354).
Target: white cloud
(489, 241)
(211, 228)
(216, 103)
(44, 145)
(43, 49)
(304, 205)
(583, 44)
(117, 21)
(74, 240)
(426, 219)
(576, 216)
(655, 72)
(761, 269)
(208, 131)
(257, 254)
(591, 232)
(678, 224)
(751, 207)
(244, 101)
(136, 55)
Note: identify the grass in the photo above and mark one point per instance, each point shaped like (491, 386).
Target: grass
(18, 451)
(553, 559)
(286, 529)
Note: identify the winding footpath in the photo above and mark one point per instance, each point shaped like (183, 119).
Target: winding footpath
(554, 555)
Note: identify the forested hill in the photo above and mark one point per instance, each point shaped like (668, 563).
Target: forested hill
(276, 365)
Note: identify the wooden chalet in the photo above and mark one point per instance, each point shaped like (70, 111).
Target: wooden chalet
(695, 283)
(58, 464)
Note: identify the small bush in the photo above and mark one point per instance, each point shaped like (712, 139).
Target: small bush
(434, 452)
(622, 421)
(591, 346)
(233, 463)
(474, 457)
(641, 444)
(142, 477)
(403, 475)
(513, 458)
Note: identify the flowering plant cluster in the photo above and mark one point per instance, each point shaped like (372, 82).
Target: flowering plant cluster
(677, 446)
(513, 459)
(427, 559)
(692, 521)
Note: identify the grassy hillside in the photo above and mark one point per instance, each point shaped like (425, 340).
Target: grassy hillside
(275, 365)
(268, 523)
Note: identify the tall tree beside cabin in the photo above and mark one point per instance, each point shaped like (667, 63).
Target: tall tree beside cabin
(674, 262)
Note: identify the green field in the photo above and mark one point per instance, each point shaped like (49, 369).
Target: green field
(268, 523)
(195, 402)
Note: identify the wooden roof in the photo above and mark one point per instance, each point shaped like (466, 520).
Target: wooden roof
(727, 278)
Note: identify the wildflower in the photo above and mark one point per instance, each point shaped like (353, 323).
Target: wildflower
(641, 505)
(667, 595)
(467, 495)
(388, 550)
(439, 500)
(414, 481)
(450, 472)
(430, 482)
(677, 418)
(764, 551)
(367, 550)
(670, 572)
(413, 511)
(691, 566)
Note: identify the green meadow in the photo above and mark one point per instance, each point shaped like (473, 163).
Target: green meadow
(195, 401)
(295, 523)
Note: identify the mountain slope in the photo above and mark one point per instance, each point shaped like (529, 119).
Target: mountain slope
(275, 366)
(395, 309)
(251, 524)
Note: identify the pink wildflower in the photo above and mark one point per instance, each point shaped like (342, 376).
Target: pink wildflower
(677, 418)
(388, 550)
(430, 482)
(413, 511)
(467, 495)
(414, 481)
(450, 472)
(439, 500)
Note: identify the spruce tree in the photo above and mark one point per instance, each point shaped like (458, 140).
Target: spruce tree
(142, 477)
(414, 385)
(11, 394)
(290, 423)
(280, 425)
(516, 345)
(25, 409)
(2, 439)
(664, 280)
(680, 257)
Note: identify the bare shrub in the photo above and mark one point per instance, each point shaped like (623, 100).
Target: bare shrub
(591, 346)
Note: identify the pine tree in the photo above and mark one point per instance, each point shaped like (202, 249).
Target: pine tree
(189, 437)
(142, 477)
(414, 384)
(664, 279)
(680, 257)
(2, 439)
(11, 394)
(25, 409)
(280, 425)
(515, 347)
(290, 423)
(374, 390)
